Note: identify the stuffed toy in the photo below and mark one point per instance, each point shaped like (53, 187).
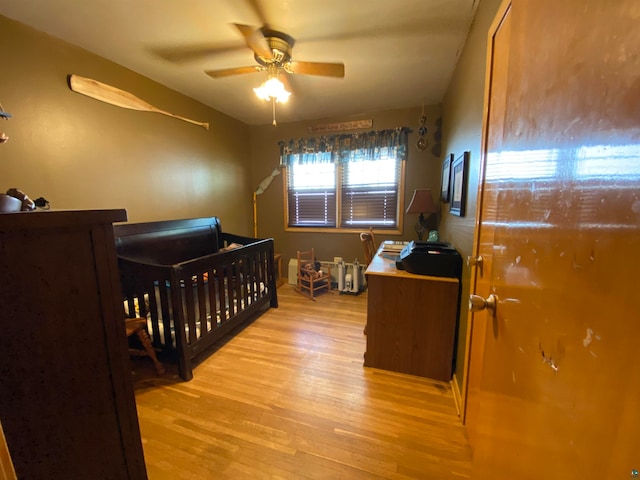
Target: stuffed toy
(27, 203)
(311, 270)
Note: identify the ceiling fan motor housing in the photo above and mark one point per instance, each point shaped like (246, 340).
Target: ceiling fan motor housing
(280, 44)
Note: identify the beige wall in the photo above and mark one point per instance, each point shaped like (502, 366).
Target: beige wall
(422, 171)
(462, 128)
(80, 153)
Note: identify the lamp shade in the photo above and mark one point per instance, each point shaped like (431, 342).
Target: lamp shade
(422, 202)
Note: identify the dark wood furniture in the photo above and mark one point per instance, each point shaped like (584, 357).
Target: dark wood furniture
(193, 283)
(67, 405)
(411, 320)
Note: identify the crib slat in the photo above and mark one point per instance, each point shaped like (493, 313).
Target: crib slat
(222, 296)
(254, 277)
(264, 259)
(244, 282)
(213, 300)
(231, 281)
(263, 285)
(164, 291)
(247, 280)
(153, 311)
(189, 305)
(183, 349)
(202, 304)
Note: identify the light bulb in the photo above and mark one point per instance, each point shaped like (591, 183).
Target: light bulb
(273, 88)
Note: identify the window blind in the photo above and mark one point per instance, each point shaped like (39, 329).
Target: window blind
(312, 195)
(369, 195)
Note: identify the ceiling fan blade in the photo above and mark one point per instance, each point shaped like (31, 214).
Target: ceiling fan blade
(314, 68)
(195, 52)
(255, 40)
(255, 6)
(227, 72)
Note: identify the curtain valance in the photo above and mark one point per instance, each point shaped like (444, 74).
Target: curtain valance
(342, 148)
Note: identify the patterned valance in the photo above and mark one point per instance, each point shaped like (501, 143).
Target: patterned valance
(342, 148)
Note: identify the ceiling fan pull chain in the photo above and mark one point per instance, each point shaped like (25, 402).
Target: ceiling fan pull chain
(273, 107)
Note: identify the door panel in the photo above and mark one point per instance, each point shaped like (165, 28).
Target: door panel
(559, 389)
(496, 88)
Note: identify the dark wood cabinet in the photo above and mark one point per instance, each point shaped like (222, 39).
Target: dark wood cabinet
(67, 405)
(411, 321)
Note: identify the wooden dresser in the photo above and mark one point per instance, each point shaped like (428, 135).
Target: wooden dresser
(67, 405)
(411, 320)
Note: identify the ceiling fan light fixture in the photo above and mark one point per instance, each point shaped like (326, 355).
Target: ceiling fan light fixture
(273, 89)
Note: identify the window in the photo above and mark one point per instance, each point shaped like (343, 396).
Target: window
(346, 181)
(311, 195)
(370, 193)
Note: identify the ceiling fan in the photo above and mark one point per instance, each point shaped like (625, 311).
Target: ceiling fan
(273, 52)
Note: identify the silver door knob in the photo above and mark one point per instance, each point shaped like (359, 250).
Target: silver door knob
(477, 303)
(475, 261)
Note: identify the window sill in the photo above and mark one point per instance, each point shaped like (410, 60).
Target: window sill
(384, 231)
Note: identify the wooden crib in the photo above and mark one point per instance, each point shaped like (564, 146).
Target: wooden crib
(193, 282)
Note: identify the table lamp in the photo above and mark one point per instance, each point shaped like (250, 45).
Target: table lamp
(422, 202)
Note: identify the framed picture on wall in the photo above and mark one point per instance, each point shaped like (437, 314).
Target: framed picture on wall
(458, 194)
(445, 182)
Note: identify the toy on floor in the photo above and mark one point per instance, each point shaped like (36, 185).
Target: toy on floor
(311, 270)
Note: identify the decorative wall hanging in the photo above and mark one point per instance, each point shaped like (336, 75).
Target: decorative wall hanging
(120, 98)
(341, 126)
(422, 132)
(459, 184)
(445, 182)
(6, 116)
(437, 137)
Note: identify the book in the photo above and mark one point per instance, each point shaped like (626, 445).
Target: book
(393, 246)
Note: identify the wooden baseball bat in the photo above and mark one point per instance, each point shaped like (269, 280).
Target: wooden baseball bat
(115, 96)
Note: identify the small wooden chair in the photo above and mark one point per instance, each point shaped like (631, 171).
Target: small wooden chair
(368, 244)
(311, 279)
(138, 326)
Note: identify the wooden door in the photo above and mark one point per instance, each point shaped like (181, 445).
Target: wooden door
(560, 385)
(496, 82)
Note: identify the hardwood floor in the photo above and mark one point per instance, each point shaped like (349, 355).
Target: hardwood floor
(288, 398)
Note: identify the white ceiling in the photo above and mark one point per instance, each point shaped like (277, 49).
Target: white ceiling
(397, 53)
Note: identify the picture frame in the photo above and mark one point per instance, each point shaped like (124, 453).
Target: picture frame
(445, 182)
(458, 194)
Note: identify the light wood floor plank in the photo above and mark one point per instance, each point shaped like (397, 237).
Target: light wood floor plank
(287, 397)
